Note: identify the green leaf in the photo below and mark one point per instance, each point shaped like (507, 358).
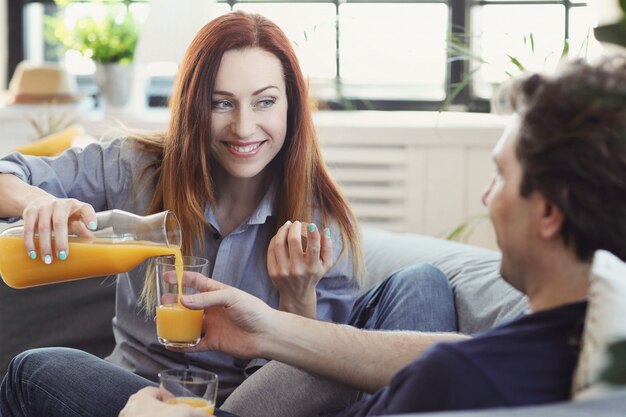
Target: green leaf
(613, 33)
(615, 372)
(516, 62)
(463, 231)
(565, 50)
(532, 42)
(457, 89)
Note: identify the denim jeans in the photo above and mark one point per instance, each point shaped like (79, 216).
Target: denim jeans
(416, 298)
(62, 382)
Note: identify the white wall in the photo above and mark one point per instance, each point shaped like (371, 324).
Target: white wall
(4, 43)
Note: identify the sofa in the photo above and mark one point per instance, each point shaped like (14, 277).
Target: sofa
(78, 314)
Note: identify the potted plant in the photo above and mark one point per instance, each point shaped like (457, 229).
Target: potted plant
(109, 40)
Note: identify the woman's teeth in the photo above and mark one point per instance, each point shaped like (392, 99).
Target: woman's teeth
(245, 149)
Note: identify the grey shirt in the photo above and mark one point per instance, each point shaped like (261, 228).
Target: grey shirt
(104, 176)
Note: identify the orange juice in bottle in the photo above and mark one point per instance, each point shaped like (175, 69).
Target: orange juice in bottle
(121, 242)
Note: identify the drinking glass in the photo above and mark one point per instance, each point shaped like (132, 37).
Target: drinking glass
(177, 326)
(197, 388)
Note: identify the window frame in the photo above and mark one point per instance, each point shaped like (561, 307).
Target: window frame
(456, 70)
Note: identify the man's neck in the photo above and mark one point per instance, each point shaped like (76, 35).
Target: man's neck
(558, 278)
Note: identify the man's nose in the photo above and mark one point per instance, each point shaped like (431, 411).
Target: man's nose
(486, 192)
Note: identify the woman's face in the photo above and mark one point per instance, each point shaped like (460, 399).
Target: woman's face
(249, 112)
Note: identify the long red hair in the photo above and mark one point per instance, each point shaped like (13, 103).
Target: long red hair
(183, 170)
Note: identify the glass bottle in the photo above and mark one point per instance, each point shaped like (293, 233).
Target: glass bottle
(120, 242)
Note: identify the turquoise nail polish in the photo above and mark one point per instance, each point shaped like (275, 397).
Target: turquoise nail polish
(311, 227)
(62, 255)
(327, 232)
(32, 254)
(93, 225)
(47, 259)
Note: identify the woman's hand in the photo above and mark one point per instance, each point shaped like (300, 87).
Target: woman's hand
(149, 402)
(49, 216)
(294, 269)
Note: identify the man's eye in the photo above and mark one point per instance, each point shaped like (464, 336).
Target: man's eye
(221, 104)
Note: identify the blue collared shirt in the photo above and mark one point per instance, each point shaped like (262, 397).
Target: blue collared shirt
(104, 176)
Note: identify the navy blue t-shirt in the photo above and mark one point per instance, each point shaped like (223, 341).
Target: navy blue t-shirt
(530, 360)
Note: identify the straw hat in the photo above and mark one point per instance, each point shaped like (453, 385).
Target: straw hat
(38, 83)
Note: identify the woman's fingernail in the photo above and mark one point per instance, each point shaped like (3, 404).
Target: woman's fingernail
(62, 255)
(187, 299)
(93, 225)
(288, 222)
(47, 259)
(311, 227)
(327, 232)
(32, 254)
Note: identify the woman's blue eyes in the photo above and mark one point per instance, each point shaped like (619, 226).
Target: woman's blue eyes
(221, 104)
(267, 102)
(225, 104)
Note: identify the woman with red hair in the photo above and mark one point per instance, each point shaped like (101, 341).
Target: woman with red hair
(238, 163)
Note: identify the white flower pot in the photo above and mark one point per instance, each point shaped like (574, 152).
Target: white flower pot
(115, 82)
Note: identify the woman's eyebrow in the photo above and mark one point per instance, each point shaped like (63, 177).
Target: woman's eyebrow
(259, 91)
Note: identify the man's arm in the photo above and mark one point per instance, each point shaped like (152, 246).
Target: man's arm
(244, 326)
(363, 359)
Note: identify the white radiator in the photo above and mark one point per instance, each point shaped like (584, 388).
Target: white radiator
(413, 172)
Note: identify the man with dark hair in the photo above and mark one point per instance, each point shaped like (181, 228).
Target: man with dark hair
(558, 195)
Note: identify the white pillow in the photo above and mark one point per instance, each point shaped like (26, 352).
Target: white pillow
(605, 324)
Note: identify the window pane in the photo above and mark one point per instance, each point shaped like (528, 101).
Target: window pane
(532, 34)
(582, 42)
(311, 28)
(400, 56)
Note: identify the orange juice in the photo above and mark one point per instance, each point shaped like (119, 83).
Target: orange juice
(88, 257)
(178, 324)
(199, 403)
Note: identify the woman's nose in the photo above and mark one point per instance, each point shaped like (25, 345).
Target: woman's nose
(244, 124)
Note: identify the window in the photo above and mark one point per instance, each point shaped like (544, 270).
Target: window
(397, 54)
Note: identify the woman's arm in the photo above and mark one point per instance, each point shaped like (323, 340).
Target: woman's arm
(15, 195)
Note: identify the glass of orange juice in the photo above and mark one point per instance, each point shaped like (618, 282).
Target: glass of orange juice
(194, 387)
(177, 326)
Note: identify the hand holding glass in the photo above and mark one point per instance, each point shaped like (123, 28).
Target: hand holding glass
(177, 326)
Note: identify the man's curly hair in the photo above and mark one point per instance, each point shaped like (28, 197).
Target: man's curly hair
(572, 149)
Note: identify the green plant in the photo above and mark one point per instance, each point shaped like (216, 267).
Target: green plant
(616, 32)
(51, 119)
(615, 372)
(112, 38)
(463, 231)
(459, 49)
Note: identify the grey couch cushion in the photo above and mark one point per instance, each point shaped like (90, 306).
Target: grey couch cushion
(482, 297)
(74, 314)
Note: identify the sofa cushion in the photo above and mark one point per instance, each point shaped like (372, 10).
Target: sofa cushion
(604, 324)
(482, 297)
(72, 314)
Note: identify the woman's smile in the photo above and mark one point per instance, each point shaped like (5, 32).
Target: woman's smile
(244, 149)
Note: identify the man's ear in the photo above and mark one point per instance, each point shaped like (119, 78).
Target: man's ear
(551, 220)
